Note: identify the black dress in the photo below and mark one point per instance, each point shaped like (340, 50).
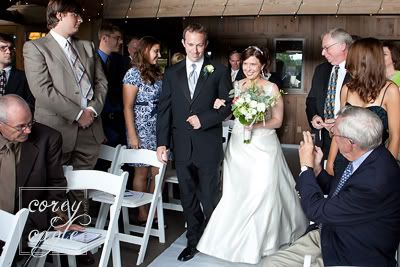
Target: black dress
(340, 161)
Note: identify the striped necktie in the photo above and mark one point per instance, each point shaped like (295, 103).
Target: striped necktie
(192, 80)
(81, 75)
(345, 176)
(3, 82)
(329, 107)
(7, 177)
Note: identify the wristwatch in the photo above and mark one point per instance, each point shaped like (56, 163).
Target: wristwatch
(304, 168)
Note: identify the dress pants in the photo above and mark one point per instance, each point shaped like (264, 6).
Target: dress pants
(293, 256)
(198, 184)
(83, 157)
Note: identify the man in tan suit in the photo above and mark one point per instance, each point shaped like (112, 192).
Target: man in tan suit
(67, 80)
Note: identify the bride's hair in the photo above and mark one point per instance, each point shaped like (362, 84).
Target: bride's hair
(256, 52)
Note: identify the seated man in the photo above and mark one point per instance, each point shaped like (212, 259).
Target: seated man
(359, 220)
(30, 156)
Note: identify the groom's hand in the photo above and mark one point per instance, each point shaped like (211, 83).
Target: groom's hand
(194, 121)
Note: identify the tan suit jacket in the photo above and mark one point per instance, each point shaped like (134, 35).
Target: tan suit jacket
(52, 82)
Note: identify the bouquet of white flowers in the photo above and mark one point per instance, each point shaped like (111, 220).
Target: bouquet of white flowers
(250, 106)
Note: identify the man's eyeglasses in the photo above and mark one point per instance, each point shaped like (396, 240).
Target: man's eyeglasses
(327, 47)
(21, 128)
(332, 134)
(4, 48)
(117, 38)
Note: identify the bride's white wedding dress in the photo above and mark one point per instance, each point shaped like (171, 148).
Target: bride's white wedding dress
(259, 212)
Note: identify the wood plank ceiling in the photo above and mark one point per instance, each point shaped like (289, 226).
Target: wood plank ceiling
(117, 9)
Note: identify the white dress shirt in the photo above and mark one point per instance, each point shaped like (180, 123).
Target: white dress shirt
(189, 67)
(339, 84)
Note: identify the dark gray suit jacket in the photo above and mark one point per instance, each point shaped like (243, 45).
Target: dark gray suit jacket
(175, 106)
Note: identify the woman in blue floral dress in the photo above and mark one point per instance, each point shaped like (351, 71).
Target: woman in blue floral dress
(141, 90)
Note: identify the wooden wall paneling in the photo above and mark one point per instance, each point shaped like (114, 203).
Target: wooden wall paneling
(275, 25)
(335, 22)
(260, 25)
(301, 118)
(230, 25)
(385, 26)
(353, 25)
(246, 25)
(287, 131)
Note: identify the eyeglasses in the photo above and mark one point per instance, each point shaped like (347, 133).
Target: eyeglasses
(327, 47)
(21, 128)
(332, 134)
(116, 38)
(4, 48)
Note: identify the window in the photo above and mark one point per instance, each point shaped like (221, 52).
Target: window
(289, 62)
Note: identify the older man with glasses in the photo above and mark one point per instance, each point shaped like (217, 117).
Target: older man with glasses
(358, 222)
(12, 80)
(30, 156)
(323, 100)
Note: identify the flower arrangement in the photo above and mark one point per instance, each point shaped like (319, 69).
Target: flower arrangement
(207, 70)
(250, 106)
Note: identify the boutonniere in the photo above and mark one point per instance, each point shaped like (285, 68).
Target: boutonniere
(207, 70)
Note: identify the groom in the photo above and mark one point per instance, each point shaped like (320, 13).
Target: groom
(186, 113)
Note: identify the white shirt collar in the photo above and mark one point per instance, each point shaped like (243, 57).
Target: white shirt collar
(342, 65)
(198, 63)
(8, 71)
(60, 39)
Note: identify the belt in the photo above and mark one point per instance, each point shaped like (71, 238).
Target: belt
(153, 110)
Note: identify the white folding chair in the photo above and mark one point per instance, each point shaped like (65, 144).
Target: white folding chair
(10, 233)
(110, 153)
(92, 180)
(138, 199)
(170, 180)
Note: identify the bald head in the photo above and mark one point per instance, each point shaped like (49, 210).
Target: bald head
(11, 105)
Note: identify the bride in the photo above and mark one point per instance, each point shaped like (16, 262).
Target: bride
(259, 212)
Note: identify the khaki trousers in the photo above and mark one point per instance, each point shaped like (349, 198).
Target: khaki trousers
(293, 256)
(83, 157)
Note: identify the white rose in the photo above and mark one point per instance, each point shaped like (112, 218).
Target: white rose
(240, 101)
(210, 68)
(253, 111)
(253, 104)
(248, 117)
(261, 107)
(243, 110)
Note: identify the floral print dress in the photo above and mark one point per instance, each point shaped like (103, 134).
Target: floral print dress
(145, 109)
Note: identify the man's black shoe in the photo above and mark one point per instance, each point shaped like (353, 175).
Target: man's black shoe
(187, 253)
(86, 259)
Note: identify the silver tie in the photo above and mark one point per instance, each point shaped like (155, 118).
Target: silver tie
(192, 80)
